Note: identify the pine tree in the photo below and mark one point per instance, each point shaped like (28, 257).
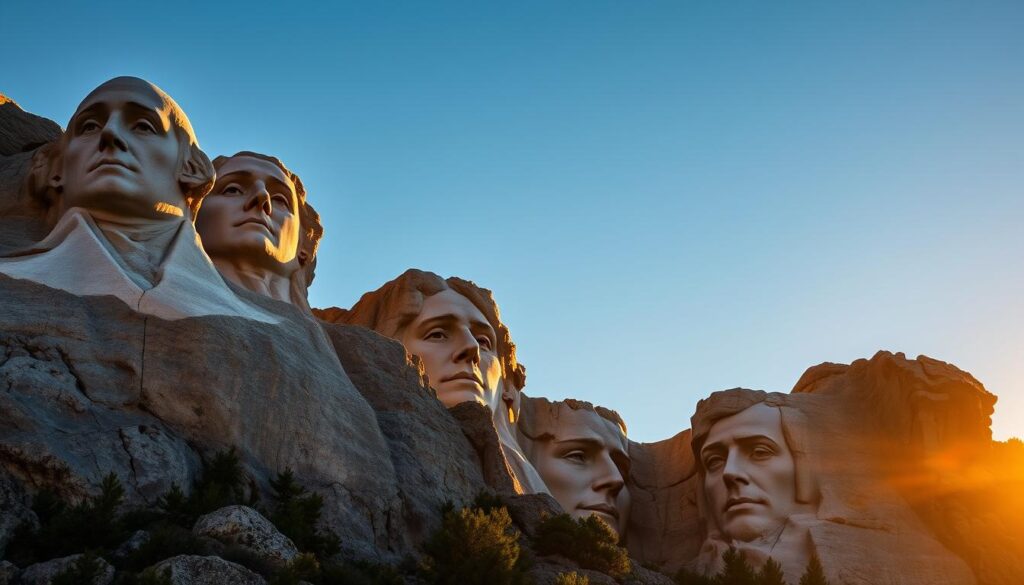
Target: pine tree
(297, 514)
(814, 574)
(771, 574)
(688, 577)
(473, 546)
(737, 570)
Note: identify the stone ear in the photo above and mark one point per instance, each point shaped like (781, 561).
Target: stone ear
(196, 177)
(513, 399)
(43, 182)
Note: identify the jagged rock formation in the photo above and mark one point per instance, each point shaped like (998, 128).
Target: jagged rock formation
(937, 418)
(22, 221)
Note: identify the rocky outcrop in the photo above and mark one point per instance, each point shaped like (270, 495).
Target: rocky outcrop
(246, 528)
(665, 521)
(21, 131)
(433, 461)
(477, 424)
(22, 219)
(197, 570)
(44, 573)
(936, 419)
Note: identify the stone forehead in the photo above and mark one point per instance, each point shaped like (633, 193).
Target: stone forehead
(135, 84)
(760, 418)
(568, 420)
(250, 163)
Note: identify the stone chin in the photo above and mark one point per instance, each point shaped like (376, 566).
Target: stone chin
(750, 524)
(455, 392)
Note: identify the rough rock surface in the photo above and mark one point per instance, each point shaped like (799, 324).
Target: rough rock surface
(43, 573)
(434, 463)
(8, 573)
(862, 529)
(152, 389)
(15, 508)
(478, 426)
(197, 570)
(135, 542)
(246, 528)
(937, 418)
(664, 522)
(528, 510)
(21, 131)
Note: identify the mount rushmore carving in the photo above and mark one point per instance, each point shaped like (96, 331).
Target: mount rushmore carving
(154, 313)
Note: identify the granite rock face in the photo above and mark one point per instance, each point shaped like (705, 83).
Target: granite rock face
(197, 570)
(22, 220)
(937, 418)
(908, 486)
(246, 528)
(44, 573)
(859, 523)
(433, 461)
(89, 387)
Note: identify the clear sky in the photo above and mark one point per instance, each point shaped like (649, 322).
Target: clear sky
(668, 198)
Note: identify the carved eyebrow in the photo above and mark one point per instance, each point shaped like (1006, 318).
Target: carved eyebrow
(96, 108)
(753, 439)
(271, 179)
(436, 321)
(486, 327)
(593, 443)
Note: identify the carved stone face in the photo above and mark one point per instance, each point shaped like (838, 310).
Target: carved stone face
(750, 475)
(252, 214)
(457, 346)
(585, 466)
(122, 154)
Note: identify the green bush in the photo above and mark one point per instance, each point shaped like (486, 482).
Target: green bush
(93, 524)
(221, 484)
(84, 571)
(474, 546)
(573, 578)
(165, 541)
(588, 541)
(297, 515)
(688, 577)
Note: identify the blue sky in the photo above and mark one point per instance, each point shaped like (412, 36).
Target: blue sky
(668, 198)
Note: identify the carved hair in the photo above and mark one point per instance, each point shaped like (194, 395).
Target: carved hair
(531, 424)
(391, 308)
(312, 229)
(195, 172)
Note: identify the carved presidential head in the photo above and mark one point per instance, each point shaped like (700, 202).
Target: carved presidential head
(582, 454)
(257, 215)
(752, 464)
(455, 328)
(129, 151)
